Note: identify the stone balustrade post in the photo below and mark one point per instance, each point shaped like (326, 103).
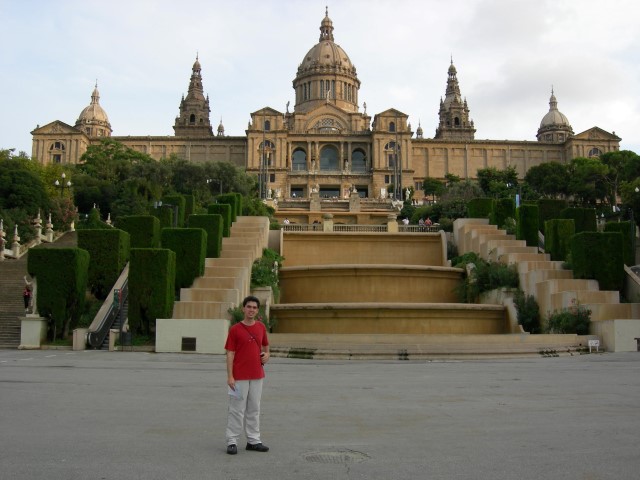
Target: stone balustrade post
(327, 222)
(392, 223)
(15, 246)
(48, 233)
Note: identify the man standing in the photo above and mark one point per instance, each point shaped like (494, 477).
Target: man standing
(247, 351)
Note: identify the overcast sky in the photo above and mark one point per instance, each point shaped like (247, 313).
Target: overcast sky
(508, 54)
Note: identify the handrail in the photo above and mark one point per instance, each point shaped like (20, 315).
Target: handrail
(103, 321)
(96, 338)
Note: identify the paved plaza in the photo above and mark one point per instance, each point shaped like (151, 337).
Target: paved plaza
(133, 415)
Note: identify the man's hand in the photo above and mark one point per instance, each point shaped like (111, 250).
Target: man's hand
(232, 383)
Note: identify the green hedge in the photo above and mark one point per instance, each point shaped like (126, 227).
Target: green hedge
(189, 205)
(190, 247)
(143, 229)
(503, 208)
(213, 225)
(152, 273)
(61, 275)
(480, 207)
(557, 239)
(598, 256)
(628, 239)
(549, 209)
(180, 202)
(230, 199)
(109, 253)
(224, 210)
(584, 218)
(527, 224)
(239, 204)
(164, 215)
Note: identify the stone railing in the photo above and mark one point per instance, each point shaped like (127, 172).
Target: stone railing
(17, 249)
(319, 227)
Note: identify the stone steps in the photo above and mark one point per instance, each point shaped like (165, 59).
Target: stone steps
(12, 274)
(415, 347)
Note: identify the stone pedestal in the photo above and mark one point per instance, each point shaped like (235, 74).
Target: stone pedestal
(314, 205)
(327, 222)
(33, 329)
(80, 338)
(354, 202)
(392, 223)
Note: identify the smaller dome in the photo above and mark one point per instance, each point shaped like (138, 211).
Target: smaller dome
(196, 64)
(554, 117)
(94, 114)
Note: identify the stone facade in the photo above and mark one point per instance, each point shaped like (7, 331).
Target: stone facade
(328, 143)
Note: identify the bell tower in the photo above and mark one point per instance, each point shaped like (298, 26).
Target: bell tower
(193, 120)
(454, 112)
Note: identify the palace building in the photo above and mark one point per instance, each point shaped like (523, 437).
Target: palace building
(328, 143)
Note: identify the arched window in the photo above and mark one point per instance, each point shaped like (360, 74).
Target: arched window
(594, 152)
(329, 158)
(390, 150)
(358, 161)
(56, 151)
(299, 160)
(267, 151)
(267, 125)
(192, 119)
(392, 126)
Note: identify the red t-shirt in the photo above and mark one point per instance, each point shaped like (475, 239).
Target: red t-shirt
(247, 343)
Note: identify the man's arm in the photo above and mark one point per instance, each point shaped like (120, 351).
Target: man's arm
(265, 358)
(230, 380)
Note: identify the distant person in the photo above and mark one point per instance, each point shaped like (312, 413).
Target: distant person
(286, 221)
(405, 221)
(428, 222)
(26, 296)
(247, 351)
(421, 223)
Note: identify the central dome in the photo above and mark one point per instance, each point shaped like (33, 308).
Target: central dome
(326, 54)
(326, 74)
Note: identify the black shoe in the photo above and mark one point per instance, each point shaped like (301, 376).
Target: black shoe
(232, 449)
(258, 447)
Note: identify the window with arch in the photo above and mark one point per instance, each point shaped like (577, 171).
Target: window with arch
(391, 151)
(299, 160)
(327, 125)
(329, 158)
(595, 152)
(267, 125)
(456, 122)
(358, 161)
(267, 150)
(192, 119)
(392, 126)
(56, 150)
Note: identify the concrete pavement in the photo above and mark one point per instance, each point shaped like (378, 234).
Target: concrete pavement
(132, 415)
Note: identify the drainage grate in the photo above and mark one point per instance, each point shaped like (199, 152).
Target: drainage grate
(188, 344)
(336, 456)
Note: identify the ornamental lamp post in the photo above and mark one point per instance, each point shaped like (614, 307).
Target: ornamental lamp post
(61, 184)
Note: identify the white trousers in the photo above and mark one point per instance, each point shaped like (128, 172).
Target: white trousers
(245, 412)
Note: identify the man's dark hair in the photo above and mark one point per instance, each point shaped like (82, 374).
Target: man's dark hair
(250, 298)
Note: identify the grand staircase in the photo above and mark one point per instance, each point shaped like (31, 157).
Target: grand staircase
(200, 319)
(617, 324)
(12, 274)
